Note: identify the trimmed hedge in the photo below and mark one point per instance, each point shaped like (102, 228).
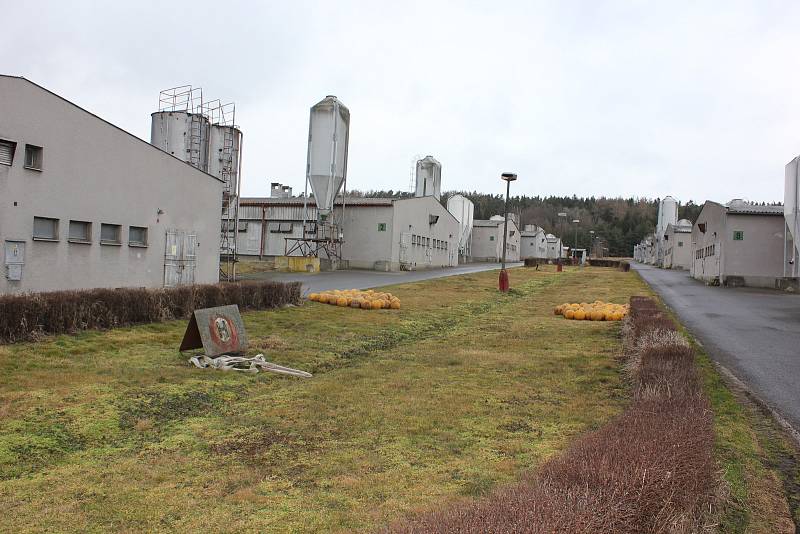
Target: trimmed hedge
(31, 315)
(651, 469)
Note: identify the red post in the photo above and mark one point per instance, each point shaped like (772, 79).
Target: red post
(504, 281)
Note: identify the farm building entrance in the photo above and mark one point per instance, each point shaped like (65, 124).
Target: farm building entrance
(180, 258)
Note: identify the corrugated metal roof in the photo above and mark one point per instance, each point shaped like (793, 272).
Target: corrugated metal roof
(354, 201)
(752, 209)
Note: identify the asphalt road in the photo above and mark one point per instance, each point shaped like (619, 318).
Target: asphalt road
(313, 282)
(754, 333)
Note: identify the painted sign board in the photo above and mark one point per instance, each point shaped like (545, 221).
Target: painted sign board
(217, 330)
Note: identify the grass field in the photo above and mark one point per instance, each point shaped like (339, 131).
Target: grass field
(459, 391)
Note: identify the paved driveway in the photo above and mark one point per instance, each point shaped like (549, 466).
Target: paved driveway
(366, 279)
(754, 333)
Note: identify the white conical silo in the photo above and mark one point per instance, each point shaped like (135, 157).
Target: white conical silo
(667, 214)
(328, 139)
(463, 210)
(429, 178)
(791, 209)
(183, 134)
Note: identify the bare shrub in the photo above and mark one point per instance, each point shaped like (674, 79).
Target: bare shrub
(31, 315)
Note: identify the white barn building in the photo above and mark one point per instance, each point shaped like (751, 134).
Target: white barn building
(738, 244)
(85, 204)
(487, 239)
(385, 234)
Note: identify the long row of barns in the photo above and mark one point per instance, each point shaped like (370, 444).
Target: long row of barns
(738, 243)
(85, 204)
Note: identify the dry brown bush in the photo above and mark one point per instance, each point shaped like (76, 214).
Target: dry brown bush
(28, 316)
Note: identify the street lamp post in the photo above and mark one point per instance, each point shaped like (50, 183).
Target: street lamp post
(508, 177)
(591, 242)
(575, 252)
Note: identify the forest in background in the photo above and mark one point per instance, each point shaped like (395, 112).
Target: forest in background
(619, 222)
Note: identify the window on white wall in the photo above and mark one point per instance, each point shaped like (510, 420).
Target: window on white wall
(45, 228)
(110, 234)
(33, 157)
(80, 232)
(7, 149)
(137, 236)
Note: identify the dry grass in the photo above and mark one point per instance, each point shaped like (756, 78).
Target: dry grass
(460, 391)
(649, 470)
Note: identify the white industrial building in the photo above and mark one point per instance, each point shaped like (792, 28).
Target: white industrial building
(385, 234)
(677, 243)
(487, 239)
(85, 204)
(739, 243)
(533, 242)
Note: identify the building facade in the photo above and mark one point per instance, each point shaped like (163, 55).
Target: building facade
(738, 244)
(487, 240)
(533, 242)
(84, 204)
(384, 234)
(678, 245)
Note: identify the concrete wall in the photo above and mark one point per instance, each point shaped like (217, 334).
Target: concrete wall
(533, 245)
(95, 172)
(756, 260)
(437, 243)
(758, 257)
(705, 256)
(487, 242)
(366, 246)
(678, 249)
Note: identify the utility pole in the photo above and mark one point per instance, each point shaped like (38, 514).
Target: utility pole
(508, 177)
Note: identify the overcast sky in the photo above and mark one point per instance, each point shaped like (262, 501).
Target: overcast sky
(699, 100)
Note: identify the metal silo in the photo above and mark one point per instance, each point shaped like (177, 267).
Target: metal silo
(463, 210)
(667, 214)
(328, 138)
(791, 205)
(180, 127)
(429, 178)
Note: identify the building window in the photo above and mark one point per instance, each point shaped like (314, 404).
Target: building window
(80, 232)
(137, 236)
(33, 157)
(680, 243)
(738, 235)
(7, 149)
(110, 234)
(45, 229)
(381, 227)
(491, 238)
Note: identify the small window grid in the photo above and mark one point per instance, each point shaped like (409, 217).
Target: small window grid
(738, 235)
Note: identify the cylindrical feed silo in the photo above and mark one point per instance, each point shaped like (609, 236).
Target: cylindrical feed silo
(183, 134)
(328, 139)
(429, 178)
(224, 155)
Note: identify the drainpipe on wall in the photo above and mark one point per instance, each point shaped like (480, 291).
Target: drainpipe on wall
(263, 232)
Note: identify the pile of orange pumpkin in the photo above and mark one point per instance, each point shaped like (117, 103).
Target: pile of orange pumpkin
(355, 298)
(595, 311)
